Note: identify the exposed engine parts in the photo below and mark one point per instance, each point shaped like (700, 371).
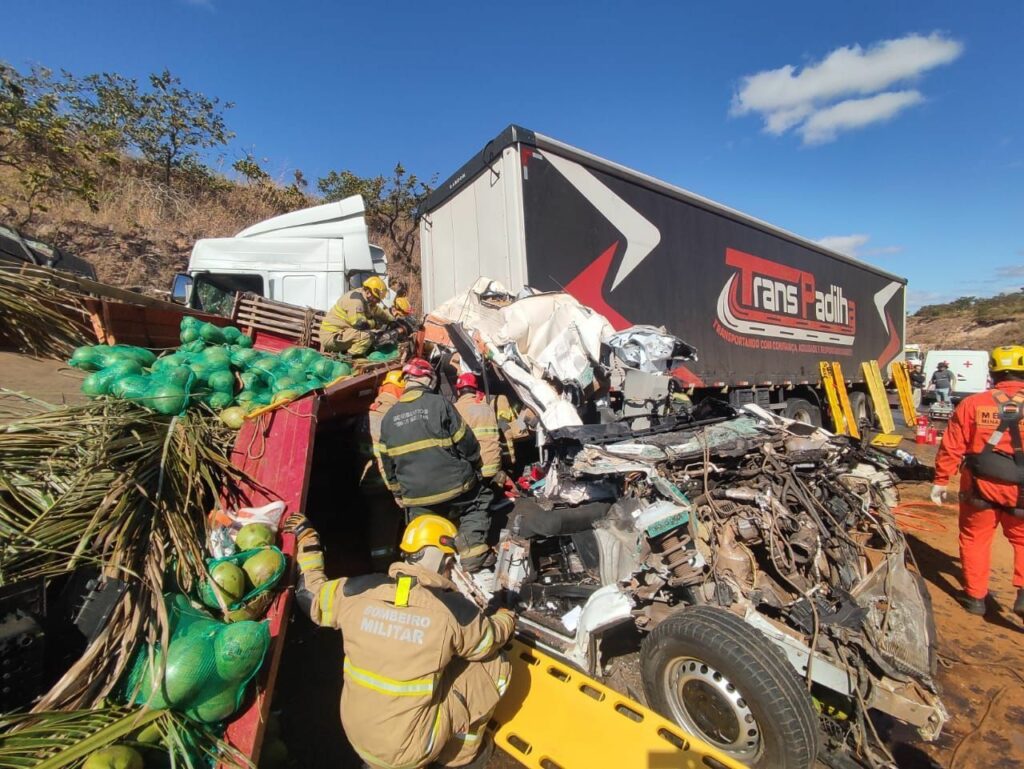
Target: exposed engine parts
(783, 525)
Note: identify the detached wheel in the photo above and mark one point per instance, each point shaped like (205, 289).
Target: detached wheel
(802, 411)
(724, 682)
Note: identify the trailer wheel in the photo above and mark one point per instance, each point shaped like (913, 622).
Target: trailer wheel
(802, 411)
(723, 681)
(861, 408)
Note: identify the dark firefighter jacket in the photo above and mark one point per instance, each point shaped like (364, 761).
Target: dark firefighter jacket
(428, 454)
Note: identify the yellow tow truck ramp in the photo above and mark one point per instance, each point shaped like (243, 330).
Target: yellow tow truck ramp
(555, 717)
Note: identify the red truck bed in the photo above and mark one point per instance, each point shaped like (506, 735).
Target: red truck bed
(276, 450)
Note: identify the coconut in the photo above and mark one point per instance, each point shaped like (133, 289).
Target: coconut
(130, 387)
(218, 400)
(114, 757)
(216, 708)
(85, 358)
(264, 567)
(124, 367)
(229, 581)
(284, 383)
(244, 341)
(239, 649)
(179, 375)
(230, 334)
(283, 396)
(97, 383)
(211, 334)
(217, 357)
(188, 335)
(222, 381)
(233, 417)
(197, 346)
(242, 356)
(165, 398)
(254, 535)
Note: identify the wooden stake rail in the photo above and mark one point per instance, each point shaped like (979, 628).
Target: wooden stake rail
(300, 325)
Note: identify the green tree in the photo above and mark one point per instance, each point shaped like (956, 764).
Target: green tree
(43, 142)
(166, 123)
(391, 204)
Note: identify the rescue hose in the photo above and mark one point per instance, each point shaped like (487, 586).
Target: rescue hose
(929, 514)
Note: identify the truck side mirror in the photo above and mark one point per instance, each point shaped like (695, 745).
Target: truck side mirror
(181, 288)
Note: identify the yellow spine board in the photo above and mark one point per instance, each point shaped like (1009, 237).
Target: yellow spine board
(901, 373)
(838, 419)
(876, 389)
(853, 429)
(554, 716)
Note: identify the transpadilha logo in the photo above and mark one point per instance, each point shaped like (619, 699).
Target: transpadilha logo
(767, 305)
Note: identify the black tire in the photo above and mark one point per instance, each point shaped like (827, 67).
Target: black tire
(802, 411)
(860, 405)
(740, 678)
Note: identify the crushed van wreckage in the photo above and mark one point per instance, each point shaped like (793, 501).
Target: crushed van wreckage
(757, 557)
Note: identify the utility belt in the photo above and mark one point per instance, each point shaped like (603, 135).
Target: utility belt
(980, 502)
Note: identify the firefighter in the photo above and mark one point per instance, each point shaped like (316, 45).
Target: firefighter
(985, 434)
(481, 418)
(385, 517)
(423, 666)
(349, 326)
(431, 462)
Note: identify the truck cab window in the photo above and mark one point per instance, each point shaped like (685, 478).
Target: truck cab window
(215, 292)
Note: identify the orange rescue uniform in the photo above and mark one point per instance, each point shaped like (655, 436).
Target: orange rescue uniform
(971, 426)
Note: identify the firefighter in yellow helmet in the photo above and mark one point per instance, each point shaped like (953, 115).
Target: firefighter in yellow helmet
(423, 666)
(349, 325)
(986, 436)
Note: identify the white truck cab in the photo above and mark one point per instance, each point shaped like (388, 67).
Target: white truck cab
(307, 258)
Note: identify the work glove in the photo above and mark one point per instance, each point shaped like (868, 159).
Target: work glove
(504, 622)
(299, 525)
(939, 495)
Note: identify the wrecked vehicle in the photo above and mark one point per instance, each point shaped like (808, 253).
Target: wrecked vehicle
(745, 547)
(752, 560)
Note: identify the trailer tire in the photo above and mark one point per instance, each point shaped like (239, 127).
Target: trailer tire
(861, 408)
(802, 411)
(721, 680)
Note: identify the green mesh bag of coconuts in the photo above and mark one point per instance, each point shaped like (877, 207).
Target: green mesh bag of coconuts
(216, 366)
(206, 667)
(241, 586)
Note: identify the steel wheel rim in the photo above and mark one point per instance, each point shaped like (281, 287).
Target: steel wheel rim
(706, 703)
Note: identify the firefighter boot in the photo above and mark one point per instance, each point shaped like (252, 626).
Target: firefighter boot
(1018, 605)
(977, 606)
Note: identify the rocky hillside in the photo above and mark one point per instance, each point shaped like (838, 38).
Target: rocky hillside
(969, 323)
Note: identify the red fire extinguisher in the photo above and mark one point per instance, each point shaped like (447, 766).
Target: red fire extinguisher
(922, 429)
(932, 435)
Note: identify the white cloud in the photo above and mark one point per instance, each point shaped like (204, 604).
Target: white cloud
(853, 245)
(816, 101)
(825, 124)
(845, 244)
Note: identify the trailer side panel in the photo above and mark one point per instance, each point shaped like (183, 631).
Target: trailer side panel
(761, 308)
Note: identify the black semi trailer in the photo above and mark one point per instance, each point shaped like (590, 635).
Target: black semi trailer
(762, 306)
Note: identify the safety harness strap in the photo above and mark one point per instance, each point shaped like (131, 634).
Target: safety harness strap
(994, 465)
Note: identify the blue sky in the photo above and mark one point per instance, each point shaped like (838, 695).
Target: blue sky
(893, 128)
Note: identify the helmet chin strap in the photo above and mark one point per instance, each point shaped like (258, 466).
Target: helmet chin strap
(432, 559)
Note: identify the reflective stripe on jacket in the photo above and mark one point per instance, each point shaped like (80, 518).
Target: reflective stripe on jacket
(428, 454)
(970, 427)
(352, 311)
(479, 415)
(401, 631)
